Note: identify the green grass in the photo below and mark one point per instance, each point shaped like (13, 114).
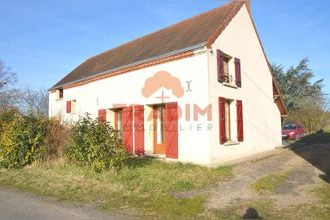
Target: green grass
(147, 185)
(269, 183)
(327, 129)
(322, 192)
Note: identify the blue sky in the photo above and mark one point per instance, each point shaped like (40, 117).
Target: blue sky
(43, 40)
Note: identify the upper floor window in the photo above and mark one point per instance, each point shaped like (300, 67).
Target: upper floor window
(224, 67)
(227, 77)
(59, 93)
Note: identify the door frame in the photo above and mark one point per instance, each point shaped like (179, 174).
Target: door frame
(159, 149)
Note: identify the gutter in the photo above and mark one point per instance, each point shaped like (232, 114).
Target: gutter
(198, 47)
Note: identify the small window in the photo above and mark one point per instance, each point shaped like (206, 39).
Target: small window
(226, 61)
(225, 120)
(227, 116)
(59, 94)
(73, 106)
(119, 121)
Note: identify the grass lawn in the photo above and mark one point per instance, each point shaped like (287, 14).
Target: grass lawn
(269, 183)
(146, 187)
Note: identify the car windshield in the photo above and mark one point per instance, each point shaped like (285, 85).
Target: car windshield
(290, 126)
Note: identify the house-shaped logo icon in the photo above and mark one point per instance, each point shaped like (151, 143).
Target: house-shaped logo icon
(160, 80)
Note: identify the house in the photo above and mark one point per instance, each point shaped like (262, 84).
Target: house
(198, 91)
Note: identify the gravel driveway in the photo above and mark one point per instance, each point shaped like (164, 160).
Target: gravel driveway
(306, 165)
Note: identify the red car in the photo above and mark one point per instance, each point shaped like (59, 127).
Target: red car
(293, 132)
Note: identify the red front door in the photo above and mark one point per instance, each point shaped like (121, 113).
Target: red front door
(171, 135)
(127, 128)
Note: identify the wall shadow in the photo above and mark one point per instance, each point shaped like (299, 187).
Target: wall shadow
(137, 162)
(315, 148)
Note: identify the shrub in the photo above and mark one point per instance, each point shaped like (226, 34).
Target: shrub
(6, 117)
(22, 141)
(56, 138)
(95, 145)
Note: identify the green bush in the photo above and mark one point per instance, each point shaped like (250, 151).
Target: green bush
(22, 141)
(95, 145)
(6, 117)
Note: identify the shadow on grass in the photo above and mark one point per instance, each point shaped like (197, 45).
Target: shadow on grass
(137, 162)
(251, 213)
(315, 148)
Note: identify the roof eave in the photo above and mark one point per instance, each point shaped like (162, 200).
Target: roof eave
(173, 53)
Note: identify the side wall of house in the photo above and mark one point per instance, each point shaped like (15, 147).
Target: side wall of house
(126, 89)
(261, 117)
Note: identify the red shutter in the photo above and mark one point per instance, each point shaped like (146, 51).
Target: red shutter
(220, 60)
(222, 120)
(102, 115)
(127, 120)
(238, 72)
(171, 130)
(68, 107)
(240, 131)
(139, 129)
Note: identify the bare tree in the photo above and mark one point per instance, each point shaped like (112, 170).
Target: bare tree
(8, 93)
(35, 102)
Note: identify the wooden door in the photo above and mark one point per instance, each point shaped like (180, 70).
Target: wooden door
(127, 123)
(171, 135)
(139, 129)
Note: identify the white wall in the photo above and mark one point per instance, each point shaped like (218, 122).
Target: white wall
(261, 117)
(126, 89)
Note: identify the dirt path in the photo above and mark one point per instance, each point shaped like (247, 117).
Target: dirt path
(304, 166)
(301, 178)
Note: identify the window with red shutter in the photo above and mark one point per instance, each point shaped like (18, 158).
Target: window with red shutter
(68, 107)
(222, 120)
(102, 115)
(238, 72)
(240, 130)
(220, 64)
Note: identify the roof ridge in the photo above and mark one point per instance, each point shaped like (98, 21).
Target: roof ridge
(186, 33)
(167, 27)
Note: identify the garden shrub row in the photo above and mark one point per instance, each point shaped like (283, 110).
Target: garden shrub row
(28, 139)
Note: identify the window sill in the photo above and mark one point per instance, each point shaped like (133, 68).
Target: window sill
(230, 85)
(230, 143)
